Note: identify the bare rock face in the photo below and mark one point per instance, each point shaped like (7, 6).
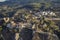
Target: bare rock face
(26, 34)
(45, 36)
(7, 35)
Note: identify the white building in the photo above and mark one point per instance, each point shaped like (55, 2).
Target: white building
(46, 13)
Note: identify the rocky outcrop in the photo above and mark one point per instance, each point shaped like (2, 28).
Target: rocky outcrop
(45, 36)
(27, 34)
(8, 35)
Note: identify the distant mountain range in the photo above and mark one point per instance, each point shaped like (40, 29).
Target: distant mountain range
(54, 3)
(8, 2)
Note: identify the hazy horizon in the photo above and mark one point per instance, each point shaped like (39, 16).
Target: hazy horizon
(2, 0)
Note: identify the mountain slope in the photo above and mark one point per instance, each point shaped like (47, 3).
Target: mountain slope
(24, 2)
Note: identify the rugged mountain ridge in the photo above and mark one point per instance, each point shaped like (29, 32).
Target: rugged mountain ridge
(8, 2)
(23, 2)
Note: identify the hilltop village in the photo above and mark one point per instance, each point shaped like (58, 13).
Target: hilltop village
(30, 20)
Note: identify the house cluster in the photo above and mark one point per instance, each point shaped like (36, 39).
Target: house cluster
(48, 13)
(19, 25)
(13, 24)
(44, 13)
(28, 24)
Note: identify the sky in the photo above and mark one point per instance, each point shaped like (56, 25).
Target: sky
(2, 0)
